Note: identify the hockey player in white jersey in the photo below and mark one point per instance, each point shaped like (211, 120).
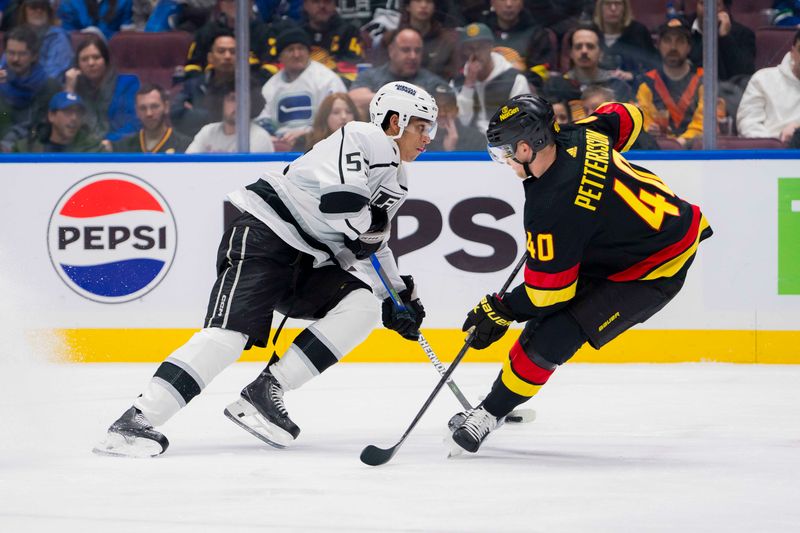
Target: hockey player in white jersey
(290, 251)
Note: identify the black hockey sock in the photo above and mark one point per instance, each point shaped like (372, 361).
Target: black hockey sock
(501, 400)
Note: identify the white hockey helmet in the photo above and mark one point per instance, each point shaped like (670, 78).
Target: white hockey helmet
(407, 100)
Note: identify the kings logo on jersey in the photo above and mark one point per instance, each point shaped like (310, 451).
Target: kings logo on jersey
(112, 237)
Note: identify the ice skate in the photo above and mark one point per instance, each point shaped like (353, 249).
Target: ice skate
(474, 430)
(261, 412)
(132, 435)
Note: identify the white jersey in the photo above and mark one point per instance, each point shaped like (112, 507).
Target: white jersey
(213, 139)
(291, 105)
(325, 194)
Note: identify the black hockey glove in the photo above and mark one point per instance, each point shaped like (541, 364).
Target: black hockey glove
(407, 322)
(371, 240)
(491, 318)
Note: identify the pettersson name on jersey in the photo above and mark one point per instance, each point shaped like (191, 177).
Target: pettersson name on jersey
(112, 238)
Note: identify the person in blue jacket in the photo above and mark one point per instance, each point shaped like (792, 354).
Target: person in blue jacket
(55, 48)
(110, 97)
(109, 16)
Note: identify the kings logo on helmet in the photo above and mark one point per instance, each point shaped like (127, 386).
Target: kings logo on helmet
(112, 237)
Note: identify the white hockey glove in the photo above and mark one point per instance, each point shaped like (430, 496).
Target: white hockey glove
(371, 240)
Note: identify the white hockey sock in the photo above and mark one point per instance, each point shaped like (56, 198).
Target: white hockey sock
(328, 339)
(187, 371)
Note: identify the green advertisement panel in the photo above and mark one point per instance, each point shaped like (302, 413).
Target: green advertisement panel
(788, 235)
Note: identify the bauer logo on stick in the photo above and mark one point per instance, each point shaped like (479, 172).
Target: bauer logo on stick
(112, 238)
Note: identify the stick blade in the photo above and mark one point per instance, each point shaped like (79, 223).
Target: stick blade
(374, 456)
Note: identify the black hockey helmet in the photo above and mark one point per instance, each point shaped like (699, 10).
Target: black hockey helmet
(526, 118)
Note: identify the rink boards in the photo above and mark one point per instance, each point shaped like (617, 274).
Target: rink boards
(108, 258)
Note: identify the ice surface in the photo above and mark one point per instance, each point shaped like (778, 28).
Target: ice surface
(690, 447)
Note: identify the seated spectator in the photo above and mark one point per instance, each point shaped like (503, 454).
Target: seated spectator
(194, 14)
(770, 106)
(452, 135)
(405, 64)
(439, 43)
(519, 38)
(198, 102)
(109, 97)
(7, 15)
(55, 48)
(222, 23)
(220, 137)
(335, 111)
(106, 16)
(156, 135)
(488, 81)
(585, 54)
(671, 97)
(294, 93)
(562, 112)
(64, 130)
(628, 43)
(736, 44)
(596, 95)
(272, 10)
(25, 89)
(333, 40)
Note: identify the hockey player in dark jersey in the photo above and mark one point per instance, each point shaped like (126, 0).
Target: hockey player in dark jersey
(290, 250)
(609, 245)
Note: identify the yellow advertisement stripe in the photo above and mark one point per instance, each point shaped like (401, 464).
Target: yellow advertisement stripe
(383, 346)
(676, 263)
(544, 298)
(515, 384)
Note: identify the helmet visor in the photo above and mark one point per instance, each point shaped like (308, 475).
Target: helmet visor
(502, 153)
(424, 126)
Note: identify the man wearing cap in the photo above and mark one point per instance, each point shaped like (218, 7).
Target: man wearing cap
(25, 88)
(671, 97)
(453, 136)
(488, 80)
(405, 64)
(64, 131)
(294, 93)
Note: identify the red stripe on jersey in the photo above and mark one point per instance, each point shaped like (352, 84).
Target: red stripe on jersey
(641, 268)
(526, 369)
(556, 280)
(625, 122)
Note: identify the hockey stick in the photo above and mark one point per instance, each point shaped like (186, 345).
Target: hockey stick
(398, 302)
(374, 456)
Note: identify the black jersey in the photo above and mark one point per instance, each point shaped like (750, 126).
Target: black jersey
(594, 214)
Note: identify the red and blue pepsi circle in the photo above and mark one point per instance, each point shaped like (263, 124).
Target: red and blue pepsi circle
(112, 237)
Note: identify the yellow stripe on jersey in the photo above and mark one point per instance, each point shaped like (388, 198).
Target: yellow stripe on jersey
(638, 118)
(644, 177)
(515, 384)
(671, 267)
(545, 298)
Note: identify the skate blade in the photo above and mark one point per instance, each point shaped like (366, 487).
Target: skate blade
(244, 415)
(453, 449)
(117, 445)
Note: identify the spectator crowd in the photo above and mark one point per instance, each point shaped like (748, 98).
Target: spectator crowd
(73, 75)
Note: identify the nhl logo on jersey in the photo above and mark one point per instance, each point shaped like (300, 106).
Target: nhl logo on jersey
(112, 238)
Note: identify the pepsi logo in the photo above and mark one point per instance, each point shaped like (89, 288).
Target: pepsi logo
(112, 237)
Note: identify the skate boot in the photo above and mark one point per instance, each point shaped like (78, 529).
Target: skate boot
(261, 412)
(457, 420)
(132, 435)
(477, 426)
